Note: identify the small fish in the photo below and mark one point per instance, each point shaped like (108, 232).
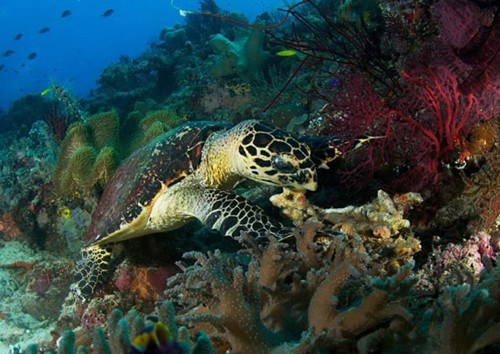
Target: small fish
(44, 30)
(108, 13)
(18, 36)
(286, 53)
(44, 92)
(364, 139)
(65, 13)
(8, 53)
(2, 66)
(333, 83)
(154, 336)
(32, 55)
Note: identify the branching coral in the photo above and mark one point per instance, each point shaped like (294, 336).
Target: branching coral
(128, 333)
(381, 225)
(329, 292)
(464, 319)
(265, 305)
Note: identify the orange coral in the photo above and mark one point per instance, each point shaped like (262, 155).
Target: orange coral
(8, 227)
(483, 187)
(482, 137)
(145, 283)
(18, 265)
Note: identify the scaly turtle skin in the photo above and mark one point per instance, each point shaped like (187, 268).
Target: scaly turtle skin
(188, 173)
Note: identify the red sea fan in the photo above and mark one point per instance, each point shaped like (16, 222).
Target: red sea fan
(422, 130)
(355, 109)
(430, 124)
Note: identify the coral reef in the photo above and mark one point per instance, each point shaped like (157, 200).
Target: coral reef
(24, 112)
(285, 290)
(132, 333)
(29, 278)
(89, 154)
(92, 149)
(410, 88)
(26, 167)
(244, 56)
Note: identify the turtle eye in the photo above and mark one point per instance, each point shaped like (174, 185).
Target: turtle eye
(281, 164)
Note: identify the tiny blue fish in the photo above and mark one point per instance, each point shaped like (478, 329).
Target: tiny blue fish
(333, 83)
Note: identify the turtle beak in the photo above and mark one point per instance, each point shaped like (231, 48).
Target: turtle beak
(307, 180)
(311, 185)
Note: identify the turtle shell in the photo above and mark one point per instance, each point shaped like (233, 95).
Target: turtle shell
(161, 163)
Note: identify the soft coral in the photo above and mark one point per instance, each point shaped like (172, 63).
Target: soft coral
(422, 129)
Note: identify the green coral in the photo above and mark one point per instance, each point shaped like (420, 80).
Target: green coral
(158, 122)
(244, 56)
(92, 150)
(89, 154)
(146, 106)
(140, 128)
(122, 329)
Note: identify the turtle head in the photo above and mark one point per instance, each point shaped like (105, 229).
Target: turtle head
(269, 155)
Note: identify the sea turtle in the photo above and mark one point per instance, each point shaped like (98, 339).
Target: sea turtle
(189, 172)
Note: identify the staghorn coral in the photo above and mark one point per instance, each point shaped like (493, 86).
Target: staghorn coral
(464, 318)
(329, 292)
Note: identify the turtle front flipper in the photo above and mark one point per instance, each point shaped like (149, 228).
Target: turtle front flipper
(91, 268)
(219, 210)
(231, 215)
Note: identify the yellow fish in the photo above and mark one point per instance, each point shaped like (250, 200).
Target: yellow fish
(154, 336)
(65, 212)
(286, 53)
(44, 92)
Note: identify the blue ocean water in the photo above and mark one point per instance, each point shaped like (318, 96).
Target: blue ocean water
(75, 48)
